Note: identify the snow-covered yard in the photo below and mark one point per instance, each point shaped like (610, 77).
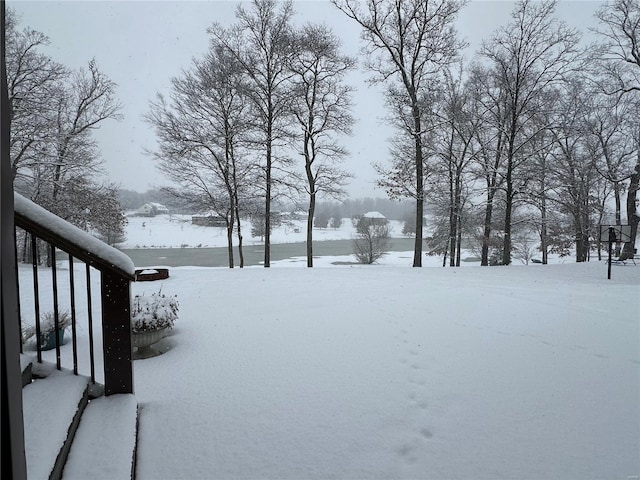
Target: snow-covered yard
(385, 371)
(388, 372)
(174, 231)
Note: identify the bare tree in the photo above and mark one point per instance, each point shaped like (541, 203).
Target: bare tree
(200, 134)
(524, 248)
(32, 78)
(455, 150)
(540, 183)
(321, 104)
(54, 112)
(619, 53)
(528, 56)
(372, 239)
(489, 105)
(610, 139)
(620, 62)
(573, 167)
(80, 107)
(262, 43)
(407, 41)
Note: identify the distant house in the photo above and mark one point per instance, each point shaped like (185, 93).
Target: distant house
(376, 218)
(296, 215)
(152, 209)
(208, 219)
(160, 209)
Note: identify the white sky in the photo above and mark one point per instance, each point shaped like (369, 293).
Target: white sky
(142, 44)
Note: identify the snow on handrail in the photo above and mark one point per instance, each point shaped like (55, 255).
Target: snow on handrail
(70, 238)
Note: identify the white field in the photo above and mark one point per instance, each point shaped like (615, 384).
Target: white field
(392, 372)
(174, 231)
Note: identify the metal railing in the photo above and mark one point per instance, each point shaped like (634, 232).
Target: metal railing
(43, 236)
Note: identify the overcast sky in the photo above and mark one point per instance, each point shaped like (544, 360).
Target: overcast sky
(142, 44)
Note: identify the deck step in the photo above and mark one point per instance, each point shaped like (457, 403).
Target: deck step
(105, 443)
(52, 408)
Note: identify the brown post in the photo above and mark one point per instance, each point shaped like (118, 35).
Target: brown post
(13, 464)
(116, 333)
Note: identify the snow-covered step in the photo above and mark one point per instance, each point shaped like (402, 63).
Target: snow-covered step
(51, 407)
(105, 443)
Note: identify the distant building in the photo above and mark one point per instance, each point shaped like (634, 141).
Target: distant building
(152, 209)
(297, 215)
(376, 218)
(208, 219)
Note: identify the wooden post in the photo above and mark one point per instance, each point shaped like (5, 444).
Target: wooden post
(13, 464)
(116, 333)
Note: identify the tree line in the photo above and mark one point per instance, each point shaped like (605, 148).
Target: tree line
(536, 136)
(53, 112)
(257, 119)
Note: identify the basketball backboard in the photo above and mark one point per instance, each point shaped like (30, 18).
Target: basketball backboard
(622, 233)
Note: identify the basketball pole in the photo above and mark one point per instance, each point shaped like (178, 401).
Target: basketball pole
(612, 239)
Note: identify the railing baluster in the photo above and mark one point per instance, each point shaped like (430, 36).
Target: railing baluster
(74, 339)
(56, 316)
(90, 317)
(36, 294)
(116, 273)
(15, 239)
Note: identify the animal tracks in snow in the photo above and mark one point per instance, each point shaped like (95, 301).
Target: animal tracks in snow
(412, 359)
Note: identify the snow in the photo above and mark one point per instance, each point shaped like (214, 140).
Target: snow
(373, 215)
(98, 456)
(41, 416)
(385, 371)
(177, 231)
(46, 219)
(382, 372)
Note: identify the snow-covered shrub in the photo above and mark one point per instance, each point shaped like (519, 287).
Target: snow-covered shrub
(47, 324)
(153, 312)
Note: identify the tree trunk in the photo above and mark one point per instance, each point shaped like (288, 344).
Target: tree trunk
(506, 253)
(632, 216)
(452, 227)
(582, 239)
(236, 207)
(309, 156)
(458, 215)
(230, 222)
(459, 241)
(312, 209)
(417, 124)
(452, 204)
(486, 235)
(267, 200)
(240, 253)
(616, 196)
(543, 231)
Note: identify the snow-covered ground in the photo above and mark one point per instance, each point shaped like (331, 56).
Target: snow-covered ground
(174, 231)
(392, 372)
(381, 371)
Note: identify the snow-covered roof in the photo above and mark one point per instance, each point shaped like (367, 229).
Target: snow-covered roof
(94, 247)
(373, 215)
(208, 214)
(158, 206)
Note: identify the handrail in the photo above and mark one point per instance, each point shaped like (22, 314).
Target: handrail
(117, 272)
(65, 236)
